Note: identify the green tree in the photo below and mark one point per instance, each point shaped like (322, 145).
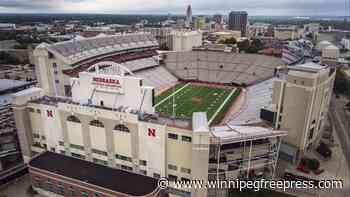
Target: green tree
(228, 41)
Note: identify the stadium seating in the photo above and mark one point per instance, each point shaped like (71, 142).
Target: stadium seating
(78, 50)
(157, 77)
(221, 67)
(136, 60)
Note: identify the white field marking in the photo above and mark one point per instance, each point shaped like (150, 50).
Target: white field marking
(221, 106)
(162, 101)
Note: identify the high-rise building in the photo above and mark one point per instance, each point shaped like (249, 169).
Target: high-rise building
(238, 21)
(189, 16)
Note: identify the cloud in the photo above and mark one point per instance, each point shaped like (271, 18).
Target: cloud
(254, 7)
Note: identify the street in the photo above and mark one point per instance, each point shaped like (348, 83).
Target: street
(341, 124)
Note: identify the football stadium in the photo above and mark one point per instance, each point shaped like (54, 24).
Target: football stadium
(118, 102)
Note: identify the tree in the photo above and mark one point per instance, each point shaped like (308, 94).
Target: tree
(228, 41)
(243, 45)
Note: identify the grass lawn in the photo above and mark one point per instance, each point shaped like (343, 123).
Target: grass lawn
(195, 98)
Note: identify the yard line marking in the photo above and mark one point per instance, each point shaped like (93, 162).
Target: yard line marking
(221, 106)
(162, 101)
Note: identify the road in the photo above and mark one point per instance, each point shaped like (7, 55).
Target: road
(341, 122)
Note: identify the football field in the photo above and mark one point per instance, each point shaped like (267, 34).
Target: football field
(191, 98)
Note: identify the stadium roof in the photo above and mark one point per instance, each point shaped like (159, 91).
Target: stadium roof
(10, 86)
(90, 173)
(231, 134)
(76, 50)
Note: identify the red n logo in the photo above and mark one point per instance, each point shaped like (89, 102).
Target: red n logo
(152, 132)
(49, 113)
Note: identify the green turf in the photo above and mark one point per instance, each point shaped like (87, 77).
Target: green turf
(210, 100)
(169, 92)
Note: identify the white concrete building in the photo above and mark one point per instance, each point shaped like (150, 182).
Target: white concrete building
(185, 40)
(286, 32)
(330, 52)
(346, 43)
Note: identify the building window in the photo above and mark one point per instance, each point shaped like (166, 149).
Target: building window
(143, 163)
(60, 189)
(54, 65)
(84, 194)
(61, 143)
(184, 179)
(68, 90)
(172, 167)
(49, 186)
(43, 137)
(172, 136)
(97, 123)
(122, 157)
(102, 103)
(35, 135)
(38, 111)
(186, 170)
(78, 156)
(311, 134)
(123, 167)
(77, 146)
(100, 152)
(122, 128)
(71, 192)
(99, 161)
(186, 138)
(156, 175)
(144, 172)
(30, 109)
(172, 177)
(73, 119)
(57, 81)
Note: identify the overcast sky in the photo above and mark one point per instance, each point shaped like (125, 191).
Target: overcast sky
(254, 7)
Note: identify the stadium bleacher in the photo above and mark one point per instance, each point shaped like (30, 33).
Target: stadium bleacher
(133, 57)
(257, 96)
(77, 50)
(157, 77)
(221, 67)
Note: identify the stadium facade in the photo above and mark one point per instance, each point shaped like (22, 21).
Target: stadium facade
(98, 104)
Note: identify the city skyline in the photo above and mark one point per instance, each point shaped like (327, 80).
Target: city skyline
(253, 7)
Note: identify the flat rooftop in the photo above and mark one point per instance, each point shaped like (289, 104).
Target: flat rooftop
(308, 67)
(10, 86)
(94, 174)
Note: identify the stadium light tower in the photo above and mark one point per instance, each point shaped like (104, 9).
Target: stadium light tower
(174, 105)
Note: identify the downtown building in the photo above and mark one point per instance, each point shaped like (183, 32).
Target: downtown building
(238, 21)
(100, 115)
